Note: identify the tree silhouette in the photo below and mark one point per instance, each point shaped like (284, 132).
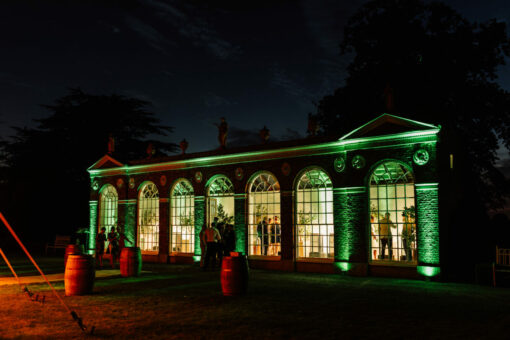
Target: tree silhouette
(46, 166)
(438, 68)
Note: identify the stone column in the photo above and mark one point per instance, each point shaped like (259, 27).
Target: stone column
(286, 222)
(93, 215)
(199, 223)
(350, 217)
(164, 232)
(240, 227)
(130, 222)
(427, 229)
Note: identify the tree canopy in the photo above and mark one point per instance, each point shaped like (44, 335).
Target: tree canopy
(441, 69)
(46, 166)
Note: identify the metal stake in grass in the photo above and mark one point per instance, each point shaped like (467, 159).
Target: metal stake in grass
(73, 313)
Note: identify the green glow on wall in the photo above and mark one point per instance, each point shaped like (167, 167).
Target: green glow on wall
(92, 227)
(427, 223)
(414, 122)
(196, 258)
(343, 266)
(407, 138)
(240, 223)
(349, 204)
(428, 271)
(130, 223)
(199, 222)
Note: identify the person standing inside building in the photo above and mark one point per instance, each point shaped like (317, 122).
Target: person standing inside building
(100, 240)
(407, 236)
(212, 237)
(385, 235)
(262, 234)
(278, 235)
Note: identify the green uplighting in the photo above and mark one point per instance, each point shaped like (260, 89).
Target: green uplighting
(349, 204)
(427, 201)
(92, 226)
(343, 266)
(429, 271)
(427, 135)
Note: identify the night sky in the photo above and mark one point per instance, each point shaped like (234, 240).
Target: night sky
(264, 63)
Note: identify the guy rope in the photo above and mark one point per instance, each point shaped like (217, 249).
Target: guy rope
(59, 298)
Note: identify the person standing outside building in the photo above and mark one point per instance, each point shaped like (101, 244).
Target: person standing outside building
(385, 236)
(212, 237)
(203, 245)
(113, 245)
(100, 240)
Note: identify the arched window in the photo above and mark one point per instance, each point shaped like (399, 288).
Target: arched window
(220, 200)
(392, 213)
(148, 218)
(108, 205)
(314, 215)
(182, 223)
(264, 231)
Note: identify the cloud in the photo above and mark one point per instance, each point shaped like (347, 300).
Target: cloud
(281, 79)
(504, 166)
(153, 37)
(12, 80)
(195, 29)
(212, 100)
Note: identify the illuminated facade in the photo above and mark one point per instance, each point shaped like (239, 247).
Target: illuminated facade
(365, 204)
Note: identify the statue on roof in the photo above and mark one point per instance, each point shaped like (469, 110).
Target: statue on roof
(183, 145)
(313, 125)
(222, 133)
(151, 151)
(111, 144)
(264, 134)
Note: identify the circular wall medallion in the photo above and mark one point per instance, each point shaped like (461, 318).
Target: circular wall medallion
(339, 164)
(198, 176)
(131, 183)
(120, 183)
(239, 173)
(421, 157)
(162, 180)
(358, 162)
(95, 185)
(286, 169)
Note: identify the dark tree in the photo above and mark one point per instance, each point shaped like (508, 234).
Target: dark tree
(46, 166)
(424, 61)
(440, 68)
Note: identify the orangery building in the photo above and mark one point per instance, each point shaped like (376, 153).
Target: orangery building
(366, 203)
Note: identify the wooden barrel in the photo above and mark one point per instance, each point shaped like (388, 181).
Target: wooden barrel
(130, 261)
(234, 275)
(71, 249)
(79, 275)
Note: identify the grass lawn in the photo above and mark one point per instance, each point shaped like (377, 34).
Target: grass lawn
(177, 301)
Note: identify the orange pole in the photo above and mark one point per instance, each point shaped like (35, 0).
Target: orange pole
(9, 264)
(33, 261)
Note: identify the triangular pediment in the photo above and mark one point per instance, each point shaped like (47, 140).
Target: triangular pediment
(387, 124)
(106, 162)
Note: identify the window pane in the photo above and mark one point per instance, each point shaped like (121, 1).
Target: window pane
(314, 215)
(392, 204)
